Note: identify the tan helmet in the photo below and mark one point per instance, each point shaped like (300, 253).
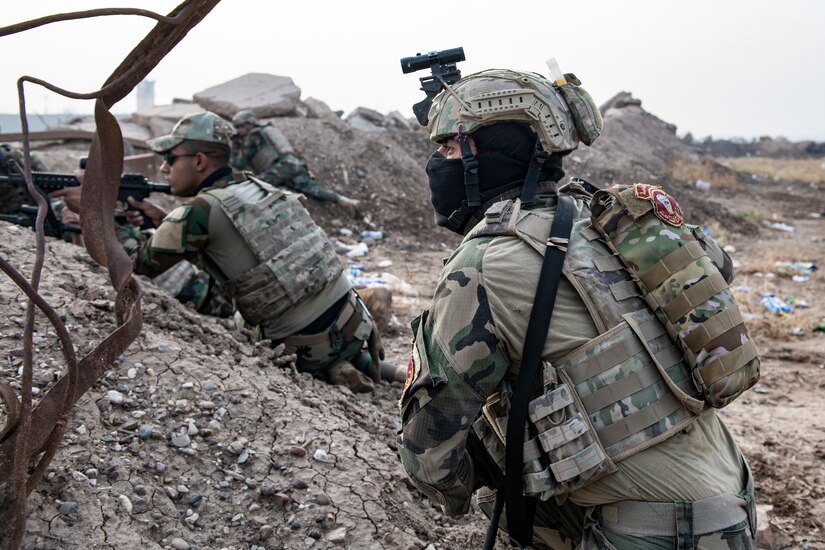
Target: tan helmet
(499, 95)
(244, 117)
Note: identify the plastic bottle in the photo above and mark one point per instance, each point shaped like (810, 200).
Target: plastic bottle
(555, 72)
(376, 235)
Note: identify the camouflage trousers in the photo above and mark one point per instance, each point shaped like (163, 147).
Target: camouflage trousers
(725, 522)
(343, 340)
(291, 172)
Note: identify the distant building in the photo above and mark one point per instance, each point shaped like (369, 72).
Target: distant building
(145, 95)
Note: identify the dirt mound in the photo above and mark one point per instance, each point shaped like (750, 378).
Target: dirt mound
(194, 434)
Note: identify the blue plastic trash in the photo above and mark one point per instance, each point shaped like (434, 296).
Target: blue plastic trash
(774, 304)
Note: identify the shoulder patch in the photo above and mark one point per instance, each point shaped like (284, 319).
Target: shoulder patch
(171, 235)
(665, 207)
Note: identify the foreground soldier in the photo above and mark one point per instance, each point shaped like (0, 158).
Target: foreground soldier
(262, 248)
(616, 424)
(265, 151)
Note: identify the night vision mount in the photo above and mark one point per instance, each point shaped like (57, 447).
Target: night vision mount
(444, 71)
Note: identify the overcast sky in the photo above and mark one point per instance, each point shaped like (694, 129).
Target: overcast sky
(712, 67)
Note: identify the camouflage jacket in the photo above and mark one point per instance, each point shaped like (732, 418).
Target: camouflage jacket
(285, 169)
(471, 340)
(201, 232)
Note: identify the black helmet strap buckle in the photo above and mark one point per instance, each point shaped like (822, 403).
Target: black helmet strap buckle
(471, 186)
(528, 190)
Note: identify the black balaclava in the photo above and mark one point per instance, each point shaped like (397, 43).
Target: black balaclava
(504, 152)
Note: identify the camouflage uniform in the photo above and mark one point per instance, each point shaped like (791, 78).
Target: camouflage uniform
(618, 451)
(471, 340)
(188, 284)
(227, 228)
(285, 170)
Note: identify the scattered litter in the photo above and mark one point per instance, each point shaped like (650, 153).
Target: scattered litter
(385, 263)
(759, 388)
(345, 232)
(703, 185)
(799, 272)
(359, 249)
(742, 288)
(375, 235)
(798, 331)
(820, 327)
(393, 282)
(729, 248)
(774, 304)
(320, 455)
(779, 226)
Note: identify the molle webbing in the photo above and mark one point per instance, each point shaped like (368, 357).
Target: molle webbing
(686, 289)
(625, 390)
(296, 258)
(274, 146)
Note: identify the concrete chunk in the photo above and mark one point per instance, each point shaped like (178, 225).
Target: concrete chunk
(266, 94)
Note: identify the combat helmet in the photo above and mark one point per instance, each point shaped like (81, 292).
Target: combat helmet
(498, 95)
(244, 117)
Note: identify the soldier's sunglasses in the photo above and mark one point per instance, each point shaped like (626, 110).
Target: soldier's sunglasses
(170, 158)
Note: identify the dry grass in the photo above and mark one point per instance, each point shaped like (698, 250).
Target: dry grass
(719, 175)
(768, 258)
(794, 170)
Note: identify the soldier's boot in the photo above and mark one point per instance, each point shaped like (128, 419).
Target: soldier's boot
(353, 205)
(378, 300)
(392, 372)
(389, 371)
(343, 373)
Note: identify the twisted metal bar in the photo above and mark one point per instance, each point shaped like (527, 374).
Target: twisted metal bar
(31, 431)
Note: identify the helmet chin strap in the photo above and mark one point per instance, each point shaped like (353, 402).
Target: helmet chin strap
(528, 190)
(471, 186)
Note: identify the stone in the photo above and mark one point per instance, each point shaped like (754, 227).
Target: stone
(181, 441)
(179, 544)
(67, 508)
(337, 536)
(266, 95)
(297, 450)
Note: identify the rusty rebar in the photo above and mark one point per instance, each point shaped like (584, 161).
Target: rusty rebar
(32, 431)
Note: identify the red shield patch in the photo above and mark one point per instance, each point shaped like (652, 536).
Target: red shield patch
(664, 206)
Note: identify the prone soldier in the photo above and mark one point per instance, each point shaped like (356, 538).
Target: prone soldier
(264, 150)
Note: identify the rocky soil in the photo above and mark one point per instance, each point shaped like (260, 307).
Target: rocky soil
(197, 438)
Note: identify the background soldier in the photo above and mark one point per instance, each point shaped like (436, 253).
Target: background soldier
(633, 451)
(263, 249)
(265, 151)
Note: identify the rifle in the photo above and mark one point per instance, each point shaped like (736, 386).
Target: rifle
(27, 217)
(136, 186)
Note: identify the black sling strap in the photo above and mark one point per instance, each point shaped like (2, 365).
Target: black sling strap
(520, 509)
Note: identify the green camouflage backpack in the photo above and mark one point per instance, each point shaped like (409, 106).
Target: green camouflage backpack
(681, 285)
